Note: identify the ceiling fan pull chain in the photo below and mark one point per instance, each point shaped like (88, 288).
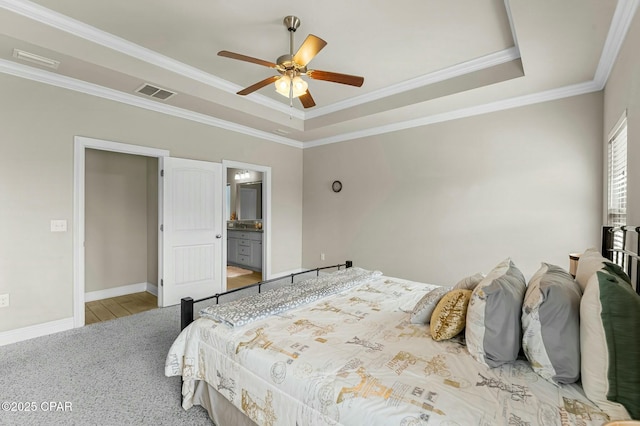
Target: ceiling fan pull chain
(291, 102)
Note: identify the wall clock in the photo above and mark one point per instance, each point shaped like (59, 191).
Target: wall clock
(336, 186)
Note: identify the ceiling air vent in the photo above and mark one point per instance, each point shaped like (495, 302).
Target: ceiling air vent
(36, 59)
(155, 92)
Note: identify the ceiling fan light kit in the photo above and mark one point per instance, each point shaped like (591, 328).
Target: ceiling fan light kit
(292, 66)
(288, 87)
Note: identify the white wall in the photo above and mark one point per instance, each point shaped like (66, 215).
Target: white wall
(39, 123)
(438, 202)
(152, 221)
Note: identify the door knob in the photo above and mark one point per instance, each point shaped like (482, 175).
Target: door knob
(218, 235)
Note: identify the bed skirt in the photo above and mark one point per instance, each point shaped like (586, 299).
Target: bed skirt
(221, 411)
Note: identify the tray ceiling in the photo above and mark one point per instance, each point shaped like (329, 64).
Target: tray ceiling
(424, 62)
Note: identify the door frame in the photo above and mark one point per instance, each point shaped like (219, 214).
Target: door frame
(81, 143)
(266, 214)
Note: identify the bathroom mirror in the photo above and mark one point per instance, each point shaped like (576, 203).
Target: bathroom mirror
(244, 194)
(249, 200)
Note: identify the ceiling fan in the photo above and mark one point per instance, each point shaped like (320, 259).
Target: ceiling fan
(291, 66)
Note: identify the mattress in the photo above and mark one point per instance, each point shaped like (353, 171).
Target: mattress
(354, 358)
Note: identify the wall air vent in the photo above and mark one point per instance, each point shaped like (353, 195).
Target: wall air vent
(35, 59)
(155, 92)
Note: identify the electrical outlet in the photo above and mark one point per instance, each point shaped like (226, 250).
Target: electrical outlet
(321, 256)
(59, 225)
(4, 300)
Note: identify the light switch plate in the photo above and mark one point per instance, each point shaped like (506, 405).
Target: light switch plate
(58, 225)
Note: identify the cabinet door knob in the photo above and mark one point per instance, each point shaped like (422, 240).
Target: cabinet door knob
(218, 235)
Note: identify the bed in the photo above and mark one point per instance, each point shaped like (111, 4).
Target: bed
(345, 348)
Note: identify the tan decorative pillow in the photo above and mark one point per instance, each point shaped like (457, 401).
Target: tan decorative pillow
(450, 315)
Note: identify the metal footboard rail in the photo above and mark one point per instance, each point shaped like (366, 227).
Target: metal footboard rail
(186, 303)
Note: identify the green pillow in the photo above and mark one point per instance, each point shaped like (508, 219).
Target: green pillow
(610, 345)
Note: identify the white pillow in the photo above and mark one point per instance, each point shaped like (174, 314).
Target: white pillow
(592, 261)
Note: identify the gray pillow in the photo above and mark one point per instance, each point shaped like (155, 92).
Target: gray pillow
(423, 310)
(551, 324)
(493, 331)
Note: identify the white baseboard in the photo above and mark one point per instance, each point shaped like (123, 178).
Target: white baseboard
(285, 273)
(153, 289)
(38, 330)
(120, 291)
(295, 271)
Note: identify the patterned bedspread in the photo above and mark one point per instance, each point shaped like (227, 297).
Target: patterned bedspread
(353, 358)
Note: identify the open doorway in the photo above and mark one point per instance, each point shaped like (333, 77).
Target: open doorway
(247, 214)
(81, 146)
(121, 234)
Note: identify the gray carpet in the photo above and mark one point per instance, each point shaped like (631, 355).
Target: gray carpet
(112, 373)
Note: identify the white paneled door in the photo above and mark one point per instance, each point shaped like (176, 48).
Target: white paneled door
(191, 230)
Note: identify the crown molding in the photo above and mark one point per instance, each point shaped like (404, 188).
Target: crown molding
(507, 7)
(53, 79)
(620, 23)
(518, 101)
(457, 70)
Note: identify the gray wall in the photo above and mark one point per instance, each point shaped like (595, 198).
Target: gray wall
(39, 123)
(438, 202)
(115, 220)
(431, 203)
(623, 92)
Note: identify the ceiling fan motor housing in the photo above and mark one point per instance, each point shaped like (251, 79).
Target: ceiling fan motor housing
(291, 22)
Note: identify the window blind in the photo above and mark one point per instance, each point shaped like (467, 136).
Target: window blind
(617, 184)
(617, 209)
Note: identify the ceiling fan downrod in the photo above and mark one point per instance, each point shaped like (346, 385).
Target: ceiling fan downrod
(292, 23)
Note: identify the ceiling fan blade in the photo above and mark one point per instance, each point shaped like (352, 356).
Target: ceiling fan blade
(309, 49)
(352, 80)
(246, 58)
(307, 100)
(258, 85)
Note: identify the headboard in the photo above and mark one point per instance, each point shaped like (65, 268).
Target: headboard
(621, 244)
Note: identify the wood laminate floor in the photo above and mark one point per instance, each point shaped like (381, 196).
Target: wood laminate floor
(243, 280)
(122, 306)
(116, 307)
